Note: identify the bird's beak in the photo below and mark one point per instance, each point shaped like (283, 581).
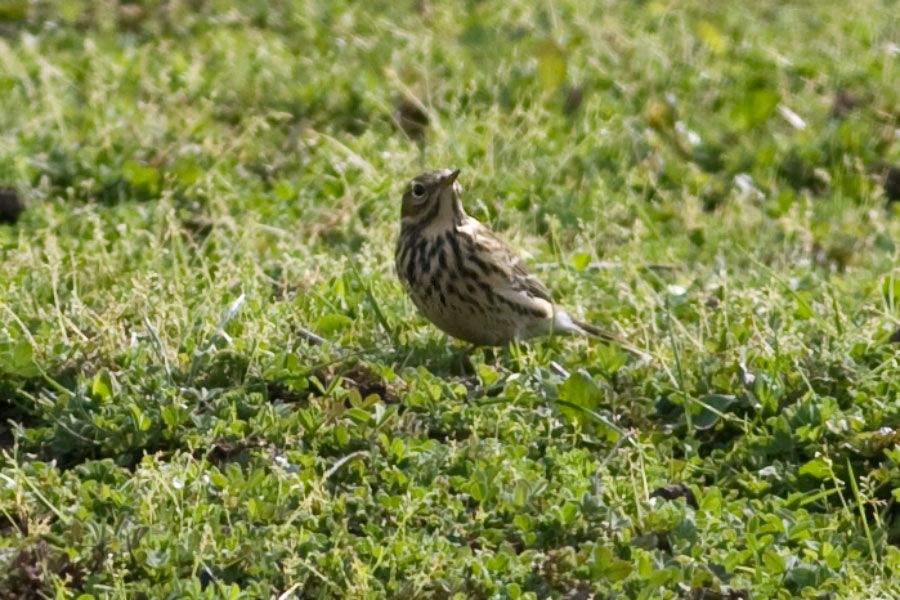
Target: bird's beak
(448, 180)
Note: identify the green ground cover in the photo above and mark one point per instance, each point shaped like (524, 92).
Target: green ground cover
(206, 180)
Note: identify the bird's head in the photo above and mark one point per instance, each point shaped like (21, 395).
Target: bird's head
(431, 197)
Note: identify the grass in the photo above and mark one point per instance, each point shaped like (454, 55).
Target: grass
(207, 181)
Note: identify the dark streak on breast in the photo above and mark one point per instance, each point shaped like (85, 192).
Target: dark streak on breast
(410, 264)
(422, 253)
(436, 247)
(457, 254)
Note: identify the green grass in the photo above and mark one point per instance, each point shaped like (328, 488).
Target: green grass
(207, 180)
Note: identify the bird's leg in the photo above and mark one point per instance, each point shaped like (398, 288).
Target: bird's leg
(490, 356)
(462, 361)
(512, 354)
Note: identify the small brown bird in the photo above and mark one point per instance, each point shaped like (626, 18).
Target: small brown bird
(465, 279)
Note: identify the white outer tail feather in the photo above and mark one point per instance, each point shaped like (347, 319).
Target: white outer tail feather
(563, 323)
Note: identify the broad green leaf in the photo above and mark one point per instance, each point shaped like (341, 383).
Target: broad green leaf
(17, 358)
(580, 261)
(521, 493)
(487, 373)
(611, 358)
(581, 390)
(773, 562)
(217, 479)
(711, 501)
(141, 176)
(307, 420)
(359, 415)
(715, 405)
(140, 420)
(755, 107)
(610, 566)
(712, 37)
(169, 416)
(69, 10)
(23, 359)
(551, 66)
(817, 467)
(568, 513)
(332, 323)
(101, 386)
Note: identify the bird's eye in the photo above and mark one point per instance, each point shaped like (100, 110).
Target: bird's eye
(418, 190)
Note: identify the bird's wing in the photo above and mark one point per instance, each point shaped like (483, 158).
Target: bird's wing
(504, 270)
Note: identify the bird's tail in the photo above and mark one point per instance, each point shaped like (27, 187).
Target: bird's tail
(564, 322)
(594, 331)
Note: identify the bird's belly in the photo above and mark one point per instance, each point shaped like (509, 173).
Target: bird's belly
(472, 323)
(469, 324)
